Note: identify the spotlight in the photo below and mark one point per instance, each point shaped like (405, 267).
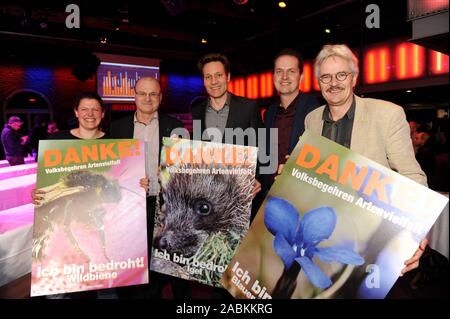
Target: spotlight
(282, 4)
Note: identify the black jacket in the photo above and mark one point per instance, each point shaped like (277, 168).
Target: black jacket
(124, 128)
(305, 104)
(244, 113)
(12, 143)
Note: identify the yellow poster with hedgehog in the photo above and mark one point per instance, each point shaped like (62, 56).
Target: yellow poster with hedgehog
(207, 194)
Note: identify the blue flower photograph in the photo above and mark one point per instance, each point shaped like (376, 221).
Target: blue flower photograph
(297, 242)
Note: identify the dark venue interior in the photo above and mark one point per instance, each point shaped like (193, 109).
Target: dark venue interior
(44, 65)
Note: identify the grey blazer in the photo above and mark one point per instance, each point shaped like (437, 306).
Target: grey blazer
(381, 133)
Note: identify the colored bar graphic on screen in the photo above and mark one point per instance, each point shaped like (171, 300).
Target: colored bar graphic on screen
(116, 81)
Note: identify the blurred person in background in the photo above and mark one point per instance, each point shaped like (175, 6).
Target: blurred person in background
(52, 127)
(14, 144)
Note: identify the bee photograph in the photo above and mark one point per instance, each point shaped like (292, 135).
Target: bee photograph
(82, 238)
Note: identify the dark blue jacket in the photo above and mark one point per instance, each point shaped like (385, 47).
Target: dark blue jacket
(305, 104)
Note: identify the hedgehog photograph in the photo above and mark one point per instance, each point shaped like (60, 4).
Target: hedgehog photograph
(204, 216)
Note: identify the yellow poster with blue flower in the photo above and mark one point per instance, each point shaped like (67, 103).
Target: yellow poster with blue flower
(334, 225)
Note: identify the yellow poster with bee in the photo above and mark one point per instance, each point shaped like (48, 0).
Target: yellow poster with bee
(207, 191)
(90, 224)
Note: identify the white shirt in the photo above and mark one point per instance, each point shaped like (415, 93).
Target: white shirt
(149, 133)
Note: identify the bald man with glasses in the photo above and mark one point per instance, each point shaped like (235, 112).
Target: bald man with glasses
(150, 126)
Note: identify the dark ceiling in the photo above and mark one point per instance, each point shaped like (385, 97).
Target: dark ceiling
(249, 34)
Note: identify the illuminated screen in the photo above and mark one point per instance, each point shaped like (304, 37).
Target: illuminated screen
(117, 75)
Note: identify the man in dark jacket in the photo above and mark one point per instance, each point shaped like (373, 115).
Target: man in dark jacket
(223, 110)
(287, 115)
(12, 143)
(216, 117)
(150, 126)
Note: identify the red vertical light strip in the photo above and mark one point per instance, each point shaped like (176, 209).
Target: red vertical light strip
(237, 87)
(416, 60)
(410, 61)
(248, 87)
(241, 87)
(231, 86)
(438, 63)
(377, 65)
(262, 85)
(269, 84)
(401, 61)
(369, 66)
(383, 65)
(305, 84)
(444, 63)
(417, 64)
(254, 86)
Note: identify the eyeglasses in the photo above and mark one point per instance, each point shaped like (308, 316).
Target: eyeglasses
(217, 76)
(151, 94)
(340, 76)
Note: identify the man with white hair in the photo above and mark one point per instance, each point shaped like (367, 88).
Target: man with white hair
(374, 128)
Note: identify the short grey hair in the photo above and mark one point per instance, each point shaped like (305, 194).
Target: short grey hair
(339, 50)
